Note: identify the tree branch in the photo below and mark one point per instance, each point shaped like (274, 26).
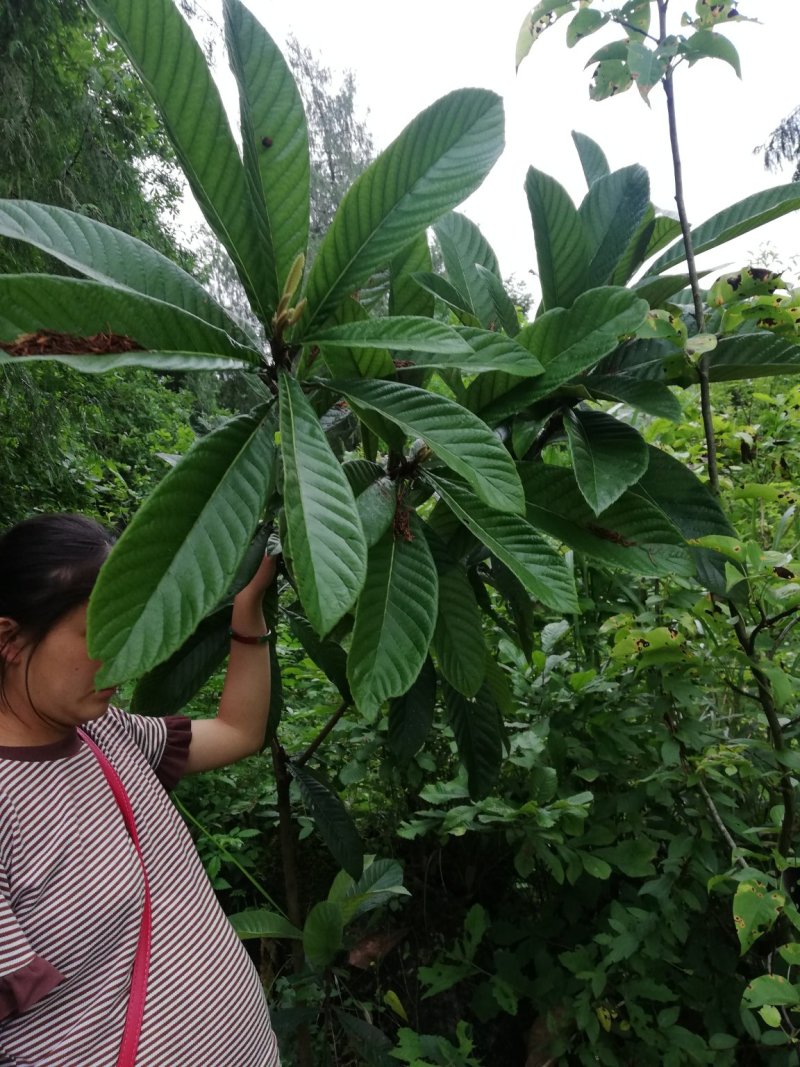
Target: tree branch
(777, 738)
(691, 263)
(549, 431)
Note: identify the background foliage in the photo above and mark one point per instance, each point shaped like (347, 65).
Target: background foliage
(77, 128)
(80, 132)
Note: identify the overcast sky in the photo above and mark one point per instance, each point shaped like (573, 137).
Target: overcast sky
(406, 55)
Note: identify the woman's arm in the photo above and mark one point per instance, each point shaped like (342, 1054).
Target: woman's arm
(241, 722)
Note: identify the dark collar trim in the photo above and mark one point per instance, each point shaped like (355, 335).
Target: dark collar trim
(66, 746)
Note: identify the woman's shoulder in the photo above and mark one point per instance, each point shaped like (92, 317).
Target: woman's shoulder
(111, 730)
(163, 742)
(113, 718)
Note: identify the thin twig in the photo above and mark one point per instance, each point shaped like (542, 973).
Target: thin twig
(715, 815)
(742, 692)
(783, 634)
(326, 729)
(228, 856)
(634, 29)
(767, 622)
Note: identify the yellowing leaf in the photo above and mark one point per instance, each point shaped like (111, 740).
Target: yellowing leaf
(391, 1000)
(755, 909)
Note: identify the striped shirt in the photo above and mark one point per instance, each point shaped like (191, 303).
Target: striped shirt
(71, 895)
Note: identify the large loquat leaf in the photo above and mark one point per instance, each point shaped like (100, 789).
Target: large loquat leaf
(636, 250)
(593, 159)
(496, 352)
(504, 309)
(107, 255)
(752, 355)
(568, 341)
(406, 297)
(733, 221)
(562, 249)
(677, 491)
(680, 494)
(411, 333)
(325, 539)
(331, 818)
(458, 638)
(464, 249)
(459, 438)
(161, 46)
(611, 213)
(395, 618)
(437, 286)
(171, 685)
(427, 343)
(651, 396)
(541, 569)
(181, 552)
(274, 140)
(633, 534)
(83, 309)
(608, 456)
(344, 360)
(411, 715)
(478, 730)
(377, 506)
(329, 656)
(437, 161)
(168, 687)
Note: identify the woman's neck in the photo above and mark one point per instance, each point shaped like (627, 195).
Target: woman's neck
(27, 728)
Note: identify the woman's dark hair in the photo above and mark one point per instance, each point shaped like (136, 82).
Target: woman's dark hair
(48, 567)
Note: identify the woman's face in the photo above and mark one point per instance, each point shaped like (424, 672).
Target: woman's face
(53, 682)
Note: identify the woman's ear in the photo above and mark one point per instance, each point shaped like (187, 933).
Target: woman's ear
(11, 644)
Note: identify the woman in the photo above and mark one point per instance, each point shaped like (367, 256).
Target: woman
(86, 885)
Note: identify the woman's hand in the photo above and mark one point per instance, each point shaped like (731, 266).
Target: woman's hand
(253, 592)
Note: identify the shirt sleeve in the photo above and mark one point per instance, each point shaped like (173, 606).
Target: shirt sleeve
(25, 978)
(27, 985)
(164, 742)
(172, 765)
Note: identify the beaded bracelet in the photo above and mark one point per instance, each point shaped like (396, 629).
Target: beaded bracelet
(260, 639)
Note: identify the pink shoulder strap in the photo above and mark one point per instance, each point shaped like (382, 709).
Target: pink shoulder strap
(141, 964)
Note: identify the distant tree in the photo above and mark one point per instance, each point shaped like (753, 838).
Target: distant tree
(340, 143)
(519, 291)
(77, 128)
(783, 145)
